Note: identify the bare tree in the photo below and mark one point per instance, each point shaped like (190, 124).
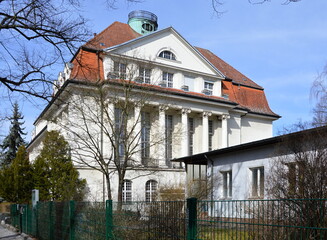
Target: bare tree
(298, 177)
(35, 35)
(217, 4)
(319, 92)
(299, 171)
(108, 125)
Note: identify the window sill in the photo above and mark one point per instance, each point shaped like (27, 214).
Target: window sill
(169, 60)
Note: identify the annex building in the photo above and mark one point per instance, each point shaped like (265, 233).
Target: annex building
(134, 97)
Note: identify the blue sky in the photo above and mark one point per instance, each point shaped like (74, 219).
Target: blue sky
(283, 48)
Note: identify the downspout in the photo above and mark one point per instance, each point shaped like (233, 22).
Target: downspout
(101, 146)
(211, 179)
(101, 128)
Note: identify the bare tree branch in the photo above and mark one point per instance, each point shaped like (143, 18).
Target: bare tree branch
(36, 35)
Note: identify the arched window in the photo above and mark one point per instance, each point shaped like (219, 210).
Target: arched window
(167, 54)
(127, 191)
(150, 190)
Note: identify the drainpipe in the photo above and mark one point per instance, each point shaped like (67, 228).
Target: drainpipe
(100, 59)
(211, 179)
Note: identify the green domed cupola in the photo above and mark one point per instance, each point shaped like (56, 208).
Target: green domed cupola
(143, 22)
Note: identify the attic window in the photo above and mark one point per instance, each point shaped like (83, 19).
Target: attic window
(168, 55)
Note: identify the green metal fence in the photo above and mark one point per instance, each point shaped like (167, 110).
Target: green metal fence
(192, 219)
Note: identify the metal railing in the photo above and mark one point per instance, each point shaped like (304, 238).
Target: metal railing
(191, 219)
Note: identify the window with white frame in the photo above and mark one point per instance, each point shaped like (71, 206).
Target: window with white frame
(169, 139)
(127, 191)
(167, 79)
(210, 134)
(227, 178)
(144, 75)
(151, 190)
(190, 135)
(120, 70)
(208, 88)
(167, 55)
(145, 136)
(258, 182)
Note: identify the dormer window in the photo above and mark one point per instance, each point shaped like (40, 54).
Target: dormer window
(168, 55)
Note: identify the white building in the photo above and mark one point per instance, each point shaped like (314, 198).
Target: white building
(243, 171)
(198, 102)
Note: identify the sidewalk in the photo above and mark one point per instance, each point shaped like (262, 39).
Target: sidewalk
(6, 234)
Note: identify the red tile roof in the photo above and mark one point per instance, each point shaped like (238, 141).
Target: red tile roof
(238, 87)
(117, 33)
(227, 69)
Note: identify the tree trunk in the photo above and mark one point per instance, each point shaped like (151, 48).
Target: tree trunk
(108, 187)
(120, 193)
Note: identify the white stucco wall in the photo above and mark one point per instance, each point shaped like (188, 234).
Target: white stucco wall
(255, 128)
(165, 178)
(240, 164)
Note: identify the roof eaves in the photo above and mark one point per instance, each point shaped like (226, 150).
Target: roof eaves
(37, 136)
(250, 145)
(53, 99)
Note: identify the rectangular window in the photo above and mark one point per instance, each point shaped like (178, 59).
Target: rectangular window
(210, 134)
(190, 135)
(167, 79)
(120, 131)
(208, 88)
(144, 75)
(120, 70)
(227, 184)
(145, 136)
(169, 139)
(150, 190)
(295, 178)
(258, 182)
(127, 191)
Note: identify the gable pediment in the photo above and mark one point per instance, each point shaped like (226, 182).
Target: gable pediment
(150, 46)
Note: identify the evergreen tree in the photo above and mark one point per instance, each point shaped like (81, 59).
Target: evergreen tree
(14, 140)
(17, 179)
(54, 172)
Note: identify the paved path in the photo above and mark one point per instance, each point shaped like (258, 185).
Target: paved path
(6, 234)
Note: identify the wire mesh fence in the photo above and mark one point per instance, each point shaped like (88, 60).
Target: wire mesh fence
(191, 219)
(262, 219)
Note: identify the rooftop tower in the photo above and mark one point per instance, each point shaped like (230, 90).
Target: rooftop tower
(143, 22)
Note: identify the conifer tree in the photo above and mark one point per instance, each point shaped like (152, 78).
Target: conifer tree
(14, 139)
(54, 172)
(17, 179)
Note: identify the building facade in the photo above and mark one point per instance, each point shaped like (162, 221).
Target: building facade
(149, 91)
(252, 170)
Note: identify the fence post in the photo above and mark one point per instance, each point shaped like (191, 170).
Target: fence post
(51, 222)
(36, 215)
(72, 219)
(109, 220)
(192, 218)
